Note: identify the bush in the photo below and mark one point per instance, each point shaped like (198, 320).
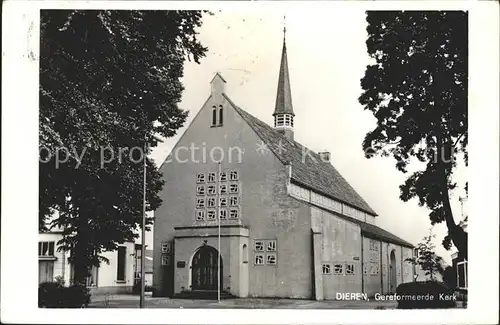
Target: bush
(56, 295)
(136, 289)
(49, 295)
(421, 295)
(76, 296)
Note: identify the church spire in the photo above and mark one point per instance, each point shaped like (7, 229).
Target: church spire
(283, 110)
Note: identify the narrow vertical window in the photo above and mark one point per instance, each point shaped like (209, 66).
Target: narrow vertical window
(214, 116)
(221, 113)
(120, 271)
(245, 253)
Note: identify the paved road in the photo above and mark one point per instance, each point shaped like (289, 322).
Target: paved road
(131, 301)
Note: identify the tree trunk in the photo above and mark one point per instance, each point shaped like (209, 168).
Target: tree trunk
(80, 250)
(457, 234)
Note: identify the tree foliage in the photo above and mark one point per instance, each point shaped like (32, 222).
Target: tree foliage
(417, 90)
(427, 259)
(109, 82)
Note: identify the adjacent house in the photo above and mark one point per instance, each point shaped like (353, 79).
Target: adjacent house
(256, 214)
(115, 277)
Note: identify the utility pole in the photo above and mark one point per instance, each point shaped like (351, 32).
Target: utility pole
(219, 170)
(143, 225)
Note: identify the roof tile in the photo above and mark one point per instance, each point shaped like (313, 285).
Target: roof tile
(308, 169)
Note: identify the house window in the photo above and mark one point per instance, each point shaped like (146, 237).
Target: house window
(349, 269)
(200, 178)
(222, 214)
(200, 203)
(221, 115)
(200, 190)
(233, 201)
(211, 202)
(211, 177)
(223, 201)
(259, 259)
(271, 259)
(234, 188)
(46, 248)
(165, 260)
(259, 246)
(166, 248)
(462, 275)
(233, 175)
(214, 116)
(271, 246)
(223, 189)
(200, 215)
(223, 177)
(338, 269)
(45, 271)
(415, 252)
(211, 190)
(120, 270)
(211, 214)
(234, 214)
(326, 268)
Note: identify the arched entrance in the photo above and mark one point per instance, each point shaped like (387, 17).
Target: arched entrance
(392, 273)
(204, 269)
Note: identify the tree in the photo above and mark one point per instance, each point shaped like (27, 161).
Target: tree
(109, 82)
(427, 259)
(417, 90)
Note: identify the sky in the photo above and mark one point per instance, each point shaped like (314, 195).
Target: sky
(327, 57)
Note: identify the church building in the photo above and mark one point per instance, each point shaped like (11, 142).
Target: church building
(249, 210)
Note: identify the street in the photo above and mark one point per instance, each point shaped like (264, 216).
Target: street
(132, 301)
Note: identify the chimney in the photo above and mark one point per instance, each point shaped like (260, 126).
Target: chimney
(325, 156)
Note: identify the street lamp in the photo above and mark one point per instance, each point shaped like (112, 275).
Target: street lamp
(143, 234)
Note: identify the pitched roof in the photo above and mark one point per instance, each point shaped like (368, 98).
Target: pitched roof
(369, 230)
(375, 232)
(308, 169)
(283, 94)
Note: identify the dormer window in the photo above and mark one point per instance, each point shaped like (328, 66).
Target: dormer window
(217, 115)
(283, 120)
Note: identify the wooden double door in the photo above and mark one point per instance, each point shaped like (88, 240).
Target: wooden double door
(205, 269)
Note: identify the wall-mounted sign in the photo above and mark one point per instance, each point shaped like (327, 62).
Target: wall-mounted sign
(181, 264)
(356, 258)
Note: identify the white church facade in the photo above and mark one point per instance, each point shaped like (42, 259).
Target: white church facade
(290, 225)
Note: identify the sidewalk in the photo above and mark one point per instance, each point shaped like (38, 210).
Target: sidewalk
(132, 301)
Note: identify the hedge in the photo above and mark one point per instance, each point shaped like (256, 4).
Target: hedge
(56, 295)
(422, 295)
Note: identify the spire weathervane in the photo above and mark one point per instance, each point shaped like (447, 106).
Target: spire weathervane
(283, 111)
(284, 27)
